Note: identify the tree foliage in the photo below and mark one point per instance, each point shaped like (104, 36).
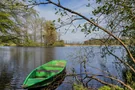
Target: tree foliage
(12, 16)
(120, 18)
(50, 34)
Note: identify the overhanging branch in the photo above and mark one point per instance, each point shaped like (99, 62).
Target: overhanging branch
(107, 31)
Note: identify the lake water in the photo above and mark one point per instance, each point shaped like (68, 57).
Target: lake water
(17, 62)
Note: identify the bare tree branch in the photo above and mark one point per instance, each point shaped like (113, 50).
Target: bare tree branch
(71, 22)
(93, 76)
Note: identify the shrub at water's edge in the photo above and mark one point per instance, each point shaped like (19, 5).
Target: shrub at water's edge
(59, 43)
(128, 74)
(79, 87)
(110, 88)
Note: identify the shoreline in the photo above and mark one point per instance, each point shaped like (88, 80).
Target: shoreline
(66, 45)
(91, 45)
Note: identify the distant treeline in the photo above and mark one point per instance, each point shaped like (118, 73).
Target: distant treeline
(107, 42)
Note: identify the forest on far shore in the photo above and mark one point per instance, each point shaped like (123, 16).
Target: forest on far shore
(107, 42)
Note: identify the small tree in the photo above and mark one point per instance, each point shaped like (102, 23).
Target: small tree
(50, 34)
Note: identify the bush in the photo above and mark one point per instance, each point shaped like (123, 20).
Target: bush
(59, 43)
(110, 88)
(104, 88)
(79, 87)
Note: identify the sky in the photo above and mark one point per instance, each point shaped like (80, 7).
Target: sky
(48, 12)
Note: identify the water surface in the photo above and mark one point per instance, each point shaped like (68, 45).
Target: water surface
(17, 62)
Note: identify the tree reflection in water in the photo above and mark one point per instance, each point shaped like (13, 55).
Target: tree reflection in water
(5, 77)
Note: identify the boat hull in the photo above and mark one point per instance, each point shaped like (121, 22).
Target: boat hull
(45, 75)
(53, 85)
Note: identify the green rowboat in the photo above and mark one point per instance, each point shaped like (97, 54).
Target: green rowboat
(45, 74)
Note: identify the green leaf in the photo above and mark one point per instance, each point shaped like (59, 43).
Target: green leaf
(98, 1)
(94, 28)
(82, 30)
(56, 12)
(53, 21)
(73, 30)
(85, 26)
(58, 19)
(89, 31)
(61, 14)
